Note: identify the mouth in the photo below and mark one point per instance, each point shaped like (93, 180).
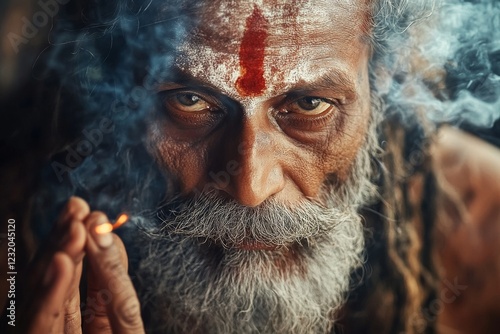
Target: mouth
(249, 244)
(254, 245)
(287, 259)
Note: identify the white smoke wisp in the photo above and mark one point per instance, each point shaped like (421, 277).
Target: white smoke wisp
(449, 68)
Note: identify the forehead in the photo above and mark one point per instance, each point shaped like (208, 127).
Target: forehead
(292, 38)
(306, 19)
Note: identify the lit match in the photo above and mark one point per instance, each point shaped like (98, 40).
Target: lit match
(105, 228)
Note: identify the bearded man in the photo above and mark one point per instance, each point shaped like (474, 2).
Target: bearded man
(286, 201)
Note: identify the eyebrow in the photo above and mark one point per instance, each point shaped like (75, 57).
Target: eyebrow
(184, 78)
(333, 80)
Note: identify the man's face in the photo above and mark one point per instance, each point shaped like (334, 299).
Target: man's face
(270, 98)
(265, 130)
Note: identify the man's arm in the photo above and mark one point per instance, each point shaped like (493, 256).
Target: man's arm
(468, 241)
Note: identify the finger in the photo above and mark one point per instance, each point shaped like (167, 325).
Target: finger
(110, 288)
(75, 209)
(58, 280)
(72, 243)
(74, 248)
(72, 320)
(67, 237)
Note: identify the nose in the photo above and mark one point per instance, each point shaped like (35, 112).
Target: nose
(258, 174)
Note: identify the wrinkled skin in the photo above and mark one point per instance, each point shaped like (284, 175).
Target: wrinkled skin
(275, 147)
(271, 146)
(111, 304)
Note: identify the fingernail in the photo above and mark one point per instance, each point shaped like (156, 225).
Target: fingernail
(49, 274)
(102, 234)
(104, 228)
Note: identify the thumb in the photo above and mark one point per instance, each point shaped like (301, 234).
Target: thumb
(112, 304)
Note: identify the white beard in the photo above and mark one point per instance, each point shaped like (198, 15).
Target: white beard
(194, 287)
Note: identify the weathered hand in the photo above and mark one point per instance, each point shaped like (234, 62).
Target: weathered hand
(117, 307)
(111, 304)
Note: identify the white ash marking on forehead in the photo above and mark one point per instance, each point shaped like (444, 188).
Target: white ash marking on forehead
(214, 67)
(222, 71)
(233, 14)
(284, 67)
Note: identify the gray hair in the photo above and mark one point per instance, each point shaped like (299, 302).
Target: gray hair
(391, 20)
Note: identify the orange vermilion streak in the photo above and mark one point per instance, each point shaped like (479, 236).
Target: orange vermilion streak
(251, 81)
(106, 228)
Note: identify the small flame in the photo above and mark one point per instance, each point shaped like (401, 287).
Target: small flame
(120, 221)
(106, 228)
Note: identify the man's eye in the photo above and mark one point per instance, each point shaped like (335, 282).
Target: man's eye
(187, 102)
(309, 105)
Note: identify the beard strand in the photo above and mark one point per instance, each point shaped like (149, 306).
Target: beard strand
(189, 285)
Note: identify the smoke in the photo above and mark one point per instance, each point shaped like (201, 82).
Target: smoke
(449, 68)
(111, 56)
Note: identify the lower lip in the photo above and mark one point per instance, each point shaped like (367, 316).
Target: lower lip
(255, 246)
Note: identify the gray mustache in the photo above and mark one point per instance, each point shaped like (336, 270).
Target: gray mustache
(211, 217)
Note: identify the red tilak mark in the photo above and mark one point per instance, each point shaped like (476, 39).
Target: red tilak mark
(251, 81)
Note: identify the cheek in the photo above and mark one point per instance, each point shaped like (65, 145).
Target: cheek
(183, 163)
(308, 166)
(343, 144)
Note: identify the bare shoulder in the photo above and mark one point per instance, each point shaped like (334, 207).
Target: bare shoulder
(468, 163)
(468, 239)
